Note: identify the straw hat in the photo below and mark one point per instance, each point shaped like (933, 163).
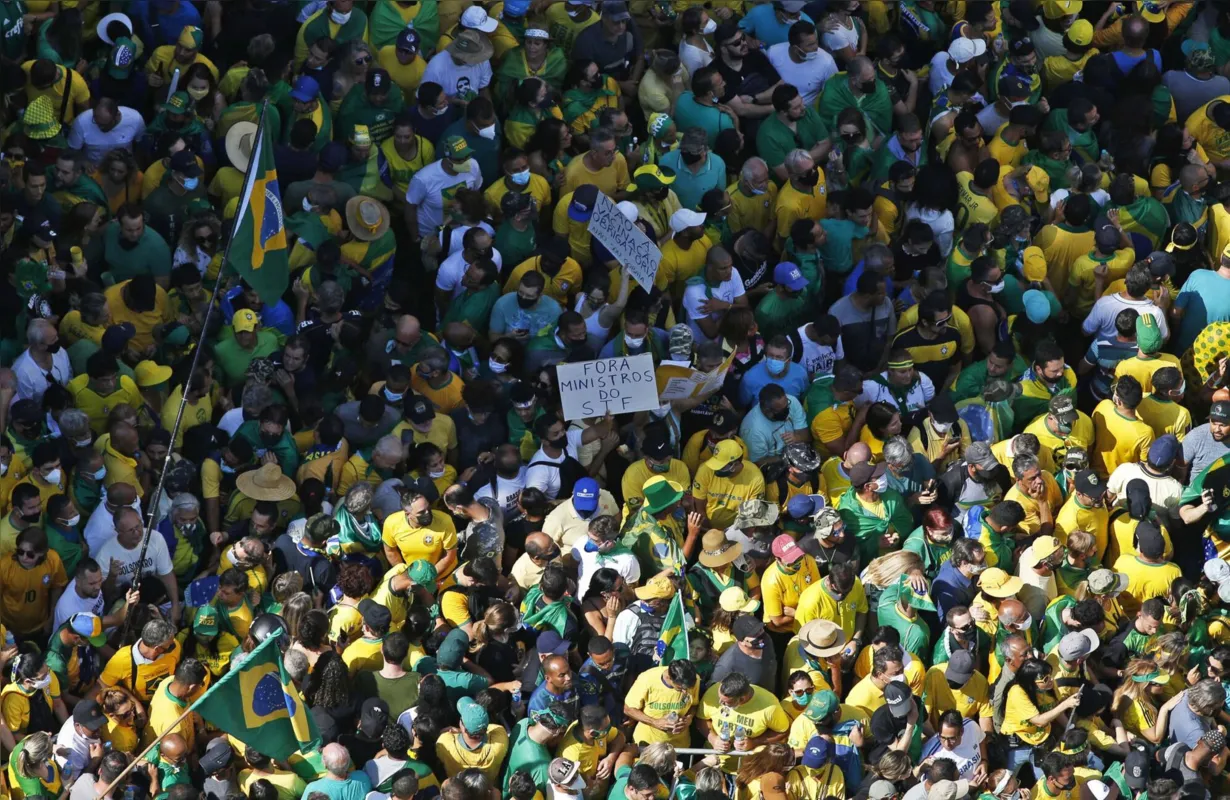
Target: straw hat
(367, 219)
(266, 483)
(822, 638)
(239, 142)
(471, 47)
(718, 551)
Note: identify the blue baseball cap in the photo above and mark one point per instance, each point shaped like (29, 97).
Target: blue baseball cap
(818, 752)
(1014, 86)
(789, 275)
(585, 495)
(802, 506)
(1164, 451)
(551, 643)
(408, 39)
(516, 8)
(306, 89)
(582, 206)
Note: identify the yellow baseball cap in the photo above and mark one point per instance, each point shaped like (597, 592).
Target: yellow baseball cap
(727, 452)
(1039, 183)
(1034, 264)
(244, 320)
(997, 583)
(1081, 32)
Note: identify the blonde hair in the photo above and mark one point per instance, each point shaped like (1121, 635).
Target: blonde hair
(293, 611)
(776, 757)
(1169, 651)
(885, 570)
(499, 617)
(1080, 541)
(286, 585)
(35, 753)
(1130, 690)
(894, 766)
(660, 756)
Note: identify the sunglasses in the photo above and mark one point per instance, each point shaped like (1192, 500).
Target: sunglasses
(554, 554)
(23, 552)
(363, 60)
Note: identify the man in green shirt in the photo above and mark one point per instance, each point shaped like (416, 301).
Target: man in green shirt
(131, 248)
(181, 193)
(793, 126)
(12, 30)
(373, 105)
(72, 654)
(449, 659)
(533, 744)
(785, 308)
(473, 306)
(250, 341)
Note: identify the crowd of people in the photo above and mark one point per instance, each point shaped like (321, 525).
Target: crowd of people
(946, 514)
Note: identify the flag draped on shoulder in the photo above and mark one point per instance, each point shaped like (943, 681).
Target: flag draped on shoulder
(258, 249)
(673, 640)
(257, 703)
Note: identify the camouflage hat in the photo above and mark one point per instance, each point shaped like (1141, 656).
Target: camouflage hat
(320, 527)
(178, 103)
(40, 120)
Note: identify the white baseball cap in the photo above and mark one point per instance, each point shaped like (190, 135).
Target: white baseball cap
(628, 209)
(686, 218)
(962, 49)
(477, 19)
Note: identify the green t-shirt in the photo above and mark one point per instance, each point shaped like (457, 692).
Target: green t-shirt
(169, 211)
(400, 693)
(150, 256)
(780, 315)
(461, 684)
(70, 546)
(775, 139)
(12, 30)
(474, 308)
(532, 757)
(515, 246)
(234, 360)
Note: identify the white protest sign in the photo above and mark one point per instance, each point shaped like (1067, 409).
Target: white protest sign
(618, 385)
(627, 243)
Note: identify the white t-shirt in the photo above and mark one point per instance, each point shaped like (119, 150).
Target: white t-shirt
(941, 72)
(85, 134)
(1101, 320)
(100, 528)
(157, 560)
(1099, 196)
(990, 119)
(697, 293)
(547, 478)
(808, 77)
(427, 187)
(818, 359)
(32, 380)
(78, 756)
(593, 323)
(693, 57)
(72, 603)
(841, 38)
(506, 491)
(458, 232)
(231, 421)
(966, 755)
(624, 563)
(457, 80)
(453, 269)
(1163, 489)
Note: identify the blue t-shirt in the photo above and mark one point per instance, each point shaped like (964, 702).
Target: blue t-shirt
(794, 382)
(762, 22)
(690, 187)
(1204, 298)
(507, 315)
(691, 114)
(763, 436)
(851, 284)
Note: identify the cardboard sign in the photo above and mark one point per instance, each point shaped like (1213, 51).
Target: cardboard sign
(631, 248)
(678, 381)
(619, 385)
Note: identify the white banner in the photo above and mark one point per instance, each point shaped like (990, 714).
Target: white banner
(627, 243)
(618, 385)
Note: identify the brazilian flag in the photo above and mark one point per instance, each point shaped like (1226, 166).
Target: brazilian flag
(258, 249)
(673, 639)
(257, 704)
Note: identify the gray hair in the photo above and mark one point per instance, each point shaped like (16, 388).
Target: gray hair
(877, 256)
(660, 756)
(755, 167)
(336, 759)
(601, 136)
(710, 779)
(1022, 464)
(1206, 697)
(296, 664)
(330, 296)
(859, 65)
(157, 632)
(94, 304)
(75, 424)
(185, 502)
(256, 398)
(435, 358)
(38, 331)
(897, 452)
(798, 161)
(389, 446)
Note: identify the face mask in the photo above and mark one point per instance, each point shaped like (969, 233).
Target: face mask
(35, 517)
(487, 132)
(43, 682)
(802, 699)
(634, 342)
(462, 166)
(1064, 428)
(435, 474)
(72, 522)
(691, 158)
(101, 473)
(306, 205)
(660, 468)
(423, 519)
(867, 87)
(191, 183)
(393, 397)
(812, 56)
(977, 570)
(226, 468)
(53, 349)
(810, 179)
(198, 94)
(775, 365)
(780, 416)
(559, 444)
(339, 18)
(942, 427)
(270, 439)
(54, 476)
(710, 27)
(759, 191)
(881, 485)
(996, 288)
(496, 366)
(520, 178)
(1025, 623)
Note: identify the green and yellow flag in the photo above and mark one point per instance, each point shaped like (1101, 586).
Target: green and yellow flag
(673, 639)
(257, 704)
(258, 249)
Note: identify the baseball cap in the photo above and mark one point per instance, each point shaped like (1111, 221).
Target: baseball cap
(1136, 770)
(725, 453)
(1014, 86)
(585, 495)
(865, 473)
(823, 703)
(116, 337)
(88, 715)
(378, 79)
(615, 10)
(417, 409)
(551, 643)
(788, 275)
(424, 574)
(1063, 408)
(1054, 9)
(184, 162)
(373, 717)
(218, 756)
(1164, 450)
(686, 218)
(786, 549)
(474, 718)
(746, 626)
(1021, 47)
(1077, 644)
(898, 698)
(1088, 483)
(802, 506)
(374, 615)
(306, 89)
(1039, 183)
(963, 50)
(1220, 411)
(88, 625)
(457, 148)
(244, 320)
(881, 790)
(452, 651)
(818, 752)
(659, 587)
(477, 19)
(408, 39)
(960, 667)
(1080, 33)
(657, 444)
(1149, 540)
(1148, 334)
(583, 200)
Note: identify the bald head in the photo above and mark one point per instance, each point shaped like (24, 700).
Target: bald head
(121, 494)
(860, 69)
(755, 171)
(1012, 612)
(1192, 176)
(859, 453)
(539, 545)
(173, 748)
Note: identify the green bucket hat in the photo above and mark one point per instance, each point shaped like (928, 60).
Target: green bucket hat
(424, 574)
(206, 622)
(661, 493)
(822, 705)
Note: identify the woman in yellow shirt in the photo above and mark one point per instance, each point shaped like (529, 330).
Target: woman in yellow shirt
(1030, 709)
(1175, 148)
(1135, 701)
(31, 702)
(120, 179)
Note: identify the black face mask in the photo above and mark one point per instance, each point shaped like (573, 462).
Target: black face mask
(691, 158)
(423, 519)
(270, 439)
(560, 443)
(127, 245)
(780, 416)
(851, 137)
(867, 87)
(525, 302)
(53, 349)
(32, 518)
(810, 179)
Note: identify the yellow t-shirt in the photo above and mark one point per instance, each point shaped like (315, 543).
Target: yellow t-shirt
(15, 704)
(1160, 177)
(780, 590)
(98, 407)
(25, 594)
(793, 205)
(973, 207)
(447, 398)
(651, 695)
(1082, 278)
(129, 663)
(585, 754)
(488, 758)
(406, 76)
(722, 495)
(1142, 369)
(165, 710)
(1058, 70)
(636, 475)
(559, 287)
(754, 718)
(866, 696)
(364, 655)
(835, 479)
(1117, 439)
(1145, 580)
(1075, 517)
(609, 180)
(576, 232)
(289, 785)
(79, 92)
(442, 433)
(1054, 497)
(1138, 717)
(751, 211)
(1164, 416)
(817, 603)
(73, 329)
(1008, 155)
(197, 413)
(973, 699)
(413, 542)
(1081, 435)
(345, 623)
(145, 321)
(162, 62)
(832, 424)
(1019, 710)
(677, 265)
(1214, 140)
(698, 450)
(538, 189)
(1062, 246)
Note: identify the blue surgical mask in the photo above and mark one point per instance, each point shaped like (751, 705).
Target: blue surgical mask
(191, 183)
(393, 397)
(774, 365)
(227, 468)
(520, 178)
(100, 473)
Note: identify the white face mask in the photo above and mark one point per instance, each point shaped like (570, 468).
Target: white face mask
(73, 521)
(434, 474)
(942, 427)
(54, 476)
(43, 682)
(339, 18)
(4, 469)
(306, 205)
(496, 366)
(710, 27)
(487, 132)
(634, 341)
(996, 288)
(881, 485)
(1025, 624)
(812, 56)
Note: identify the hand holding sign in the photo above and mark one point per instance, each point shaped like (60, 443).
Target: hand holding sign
(630, 246)
(607, 386)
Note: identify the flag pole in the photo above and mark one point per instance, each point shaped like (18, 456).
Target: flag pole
(156, 495)
(137, 759)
